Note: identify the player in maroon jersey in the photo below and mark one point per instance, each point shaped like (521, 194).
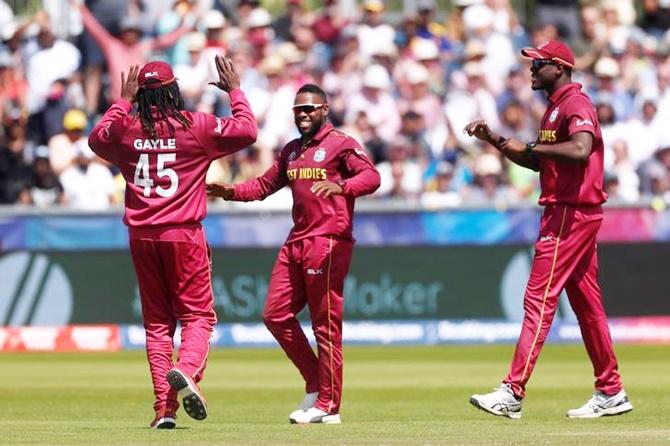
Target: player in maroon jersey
(326, 170)
(568, 153)
(163, 153)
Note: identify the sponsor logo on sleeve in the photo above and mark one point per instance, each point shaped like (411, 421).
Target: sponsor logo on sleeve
(583, 122)
(219, 126)
(553, 115)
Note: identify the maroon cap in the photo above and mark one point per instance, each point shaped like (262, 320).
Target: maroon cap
(155, 74)
(554, 50)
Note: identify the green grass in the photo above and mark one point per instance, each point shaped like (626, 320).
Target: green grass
(393, 396)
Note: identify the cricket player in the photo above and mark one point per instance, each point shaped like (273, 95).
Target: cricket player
(568, 153)
(163, 153)
(326, 170)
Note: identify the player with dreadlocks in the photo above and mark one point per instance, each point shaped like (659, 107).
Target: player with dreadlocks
(163, 152)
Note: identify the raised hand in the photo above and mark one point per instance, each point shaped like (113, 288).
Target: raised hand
(129, 86)
(221, 190)
(326, 188)
(228, 78)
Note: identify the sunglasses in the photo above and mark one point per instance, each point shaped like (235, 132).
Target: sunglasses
(307, 108)
(536, 64)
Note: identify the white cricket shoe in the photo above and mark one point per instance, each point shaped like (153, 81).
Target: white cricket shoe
(314, 415)
(500, 402)
(601, 405)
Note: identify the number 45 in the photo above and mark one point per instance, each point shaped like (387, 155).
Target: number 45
(143, 179)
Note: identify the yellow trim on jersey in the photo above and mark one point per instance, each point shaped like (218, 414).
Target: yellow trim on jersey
(546, 293)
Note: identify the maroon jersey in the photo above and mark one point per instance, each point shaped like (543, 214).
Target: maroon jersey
(165, 175)
(330, 155)
(571, 111)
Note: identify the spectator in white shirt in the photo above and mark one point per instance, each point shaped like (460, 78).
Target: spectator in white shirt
(87, 184)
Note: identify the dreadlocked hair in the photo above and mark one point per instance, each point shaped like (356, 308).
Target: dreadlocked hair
(156, 105)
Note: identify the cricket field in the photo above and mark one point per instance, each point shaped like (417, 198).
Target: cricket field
(392, 396)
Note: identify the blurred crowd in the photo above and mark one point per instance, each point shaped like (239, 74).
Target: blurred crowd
(404, 83)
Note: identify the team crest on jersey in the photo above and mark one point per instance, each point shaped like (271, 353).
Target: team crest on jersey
(553, 115)
(320, 155)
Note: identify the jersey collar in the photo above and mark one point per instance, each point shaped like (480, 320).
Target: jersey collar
(564, 91)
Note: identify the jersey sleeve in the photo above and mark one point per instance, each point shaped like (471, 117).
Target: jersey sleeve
(361, 177)
(582, 117)
(105, 136)
(267, 184)
(222, 136)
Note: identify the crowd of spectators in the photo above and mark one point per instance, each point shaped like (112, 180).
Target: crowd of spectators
(403, 84)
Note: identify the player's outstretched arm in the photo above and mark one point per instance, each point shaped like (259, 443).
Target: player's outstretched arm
(512, 148)
(222, 136)
(228, 78)
(220, 190)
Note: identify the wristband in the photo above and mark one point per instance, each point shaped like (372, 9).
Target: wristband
(530, 146)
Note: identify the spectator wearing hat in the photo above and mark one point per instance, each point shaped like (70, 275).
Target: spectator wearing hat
(276, 125)
(499, 59)
(375, 99)
(214, 23)
(607, 71)
(425, 52)
(373, 32)
(259, 32)
(193, 75)
(129, 48)
(417, 97)
(489, 187)
(470, 100)
(64, 147)
(87, 184)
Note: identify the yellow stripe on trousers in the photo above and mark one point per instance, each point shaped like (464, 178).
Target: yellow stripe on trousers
(330, 336)
(546, 294)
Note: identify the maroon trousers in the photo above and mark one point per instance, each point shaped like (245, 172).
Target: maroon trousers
(311, 272)
(565, 257)
(174, 276)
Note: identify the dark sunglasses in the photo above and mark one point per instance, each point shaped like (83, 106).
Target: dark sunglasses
(307, 108)
(536, 64)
